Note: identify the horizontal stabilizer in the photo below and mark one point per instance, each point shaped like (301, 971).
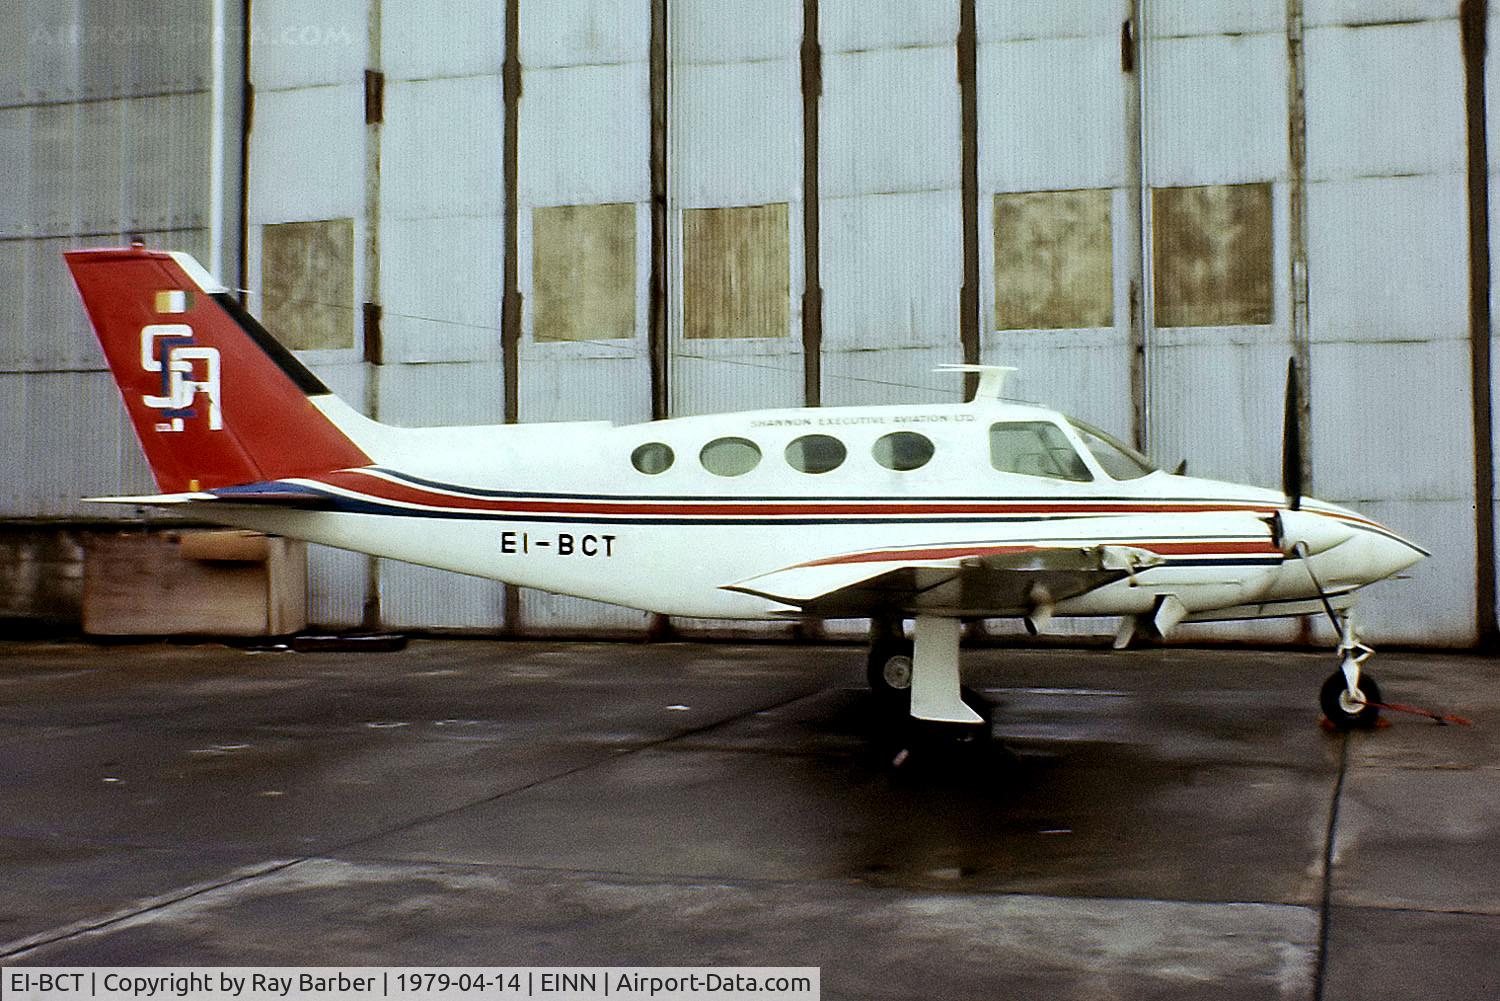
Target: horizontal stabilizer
(257, 494)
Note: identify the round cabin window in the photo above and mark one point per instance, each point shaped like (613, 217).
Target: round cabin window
(652, 458)
(730, 456)
(816, 453)
(903, 450)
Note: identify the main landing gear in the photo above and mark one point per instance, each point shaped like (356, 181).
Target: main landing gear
(1350, 697)
(919, 676)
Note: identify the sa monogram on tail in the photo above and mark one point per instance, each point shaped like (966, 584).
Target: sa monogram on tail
(936, 513)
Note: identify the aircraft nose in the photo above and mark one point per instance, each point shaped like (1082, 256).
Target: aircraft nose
(1385, 554)
(1369, 552)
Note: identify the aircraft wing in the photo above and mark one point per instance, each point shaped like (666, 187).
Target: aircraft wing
(989, 580)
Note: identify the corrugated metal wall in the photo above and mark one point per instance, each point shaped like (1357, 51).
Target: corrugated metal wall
(1169, 199)
(584, 238)
(735, 143)
(889, 160)
(1388, 295)
(106, 132)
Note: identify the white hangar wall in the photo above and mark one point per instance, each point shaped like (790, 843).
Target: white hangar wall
(491, 210)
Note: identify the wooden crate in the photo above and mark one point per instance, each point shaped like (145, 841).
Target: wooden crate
(194, 583)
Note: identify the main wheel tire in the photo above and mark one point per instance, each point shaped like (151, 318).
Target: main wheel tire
(1343, 711)
(890, 671)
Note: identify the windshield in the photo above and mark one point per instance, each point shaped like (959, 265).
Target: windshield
(1120, 461)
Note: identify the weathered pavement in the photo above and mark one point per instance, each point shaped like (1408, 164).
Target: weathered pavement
(1156, 824)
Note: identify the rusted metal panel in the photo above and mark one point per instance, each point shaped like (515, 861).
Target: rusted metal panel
(1216, 108)
(296, 44)
(1365, 116)
(736, 272)
(1053, 255)
(446, 38)
(1212, 258)
(584, 272)
(307, 284)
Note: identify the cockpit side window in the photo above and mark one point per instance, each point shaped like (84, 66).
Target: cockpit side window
(1035, 448)
(1120, 461)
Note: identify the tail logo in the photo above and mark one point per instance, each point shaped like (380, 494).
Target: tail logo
(187, 371)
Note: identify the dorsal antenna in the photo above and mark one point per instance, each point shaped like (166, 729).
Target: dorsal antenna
(991, 378)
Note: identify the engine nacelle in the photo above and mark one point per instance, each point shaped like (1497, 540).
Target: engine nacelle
(1319, 533)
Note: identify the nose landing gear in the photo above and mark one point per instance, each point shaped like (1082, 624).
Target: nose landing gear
(1350, 698)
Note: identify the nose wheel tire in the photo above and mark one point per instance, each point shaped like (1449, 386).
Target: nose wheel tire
(890, 671)
(1347, 710)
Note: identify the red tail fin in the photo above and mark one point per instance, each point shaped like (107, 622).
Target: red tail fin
(215, 400)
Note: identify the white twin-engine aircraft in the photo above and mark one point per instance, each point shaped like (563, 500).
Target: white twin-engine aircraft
(936, 513)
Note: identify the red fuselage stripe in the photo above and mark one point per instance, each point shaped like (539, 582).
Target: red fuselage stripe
(383, 489)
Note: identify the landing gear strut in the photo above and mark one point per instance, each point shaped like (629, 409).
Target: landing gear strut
(920, 676)
(1350, 698)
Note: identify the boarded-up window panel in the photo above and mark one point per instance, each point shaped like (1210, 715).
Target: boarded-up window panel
(307, 283)
(583, 270)
(1212, 255)
(1054, 265)
(736, 272)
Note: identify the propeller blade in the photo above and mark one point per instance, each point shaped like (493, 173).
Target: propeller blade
(1291, 440)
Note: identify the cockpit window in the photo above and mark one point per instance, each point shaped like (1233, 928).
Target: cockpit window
(1035, 448)
(1120, 461)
